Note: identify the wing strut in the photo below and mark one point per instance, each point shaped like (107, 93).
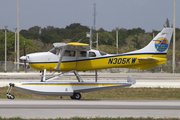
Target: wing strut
(61, 54)
(63, 74)
(78, 76)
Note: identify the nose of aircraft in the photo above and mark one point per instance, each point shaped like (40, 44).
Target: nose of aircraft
(23, 58)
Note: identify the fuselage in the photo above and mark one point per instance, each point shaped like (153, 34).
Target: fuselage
(92, 60)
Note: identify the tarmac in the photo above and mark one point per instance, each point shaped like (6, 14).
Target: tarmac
(26, 108)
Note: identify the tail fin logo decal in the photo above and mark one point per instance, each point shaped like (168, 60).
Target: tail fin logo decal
(161, 44)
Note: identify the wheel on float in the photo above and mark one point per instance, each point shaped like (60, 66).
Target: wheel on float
(8, 97)
(72, 97)
(12, 97)
(77, 96)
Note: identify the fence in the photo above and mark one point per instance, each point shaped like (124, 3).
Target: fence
(11, 67)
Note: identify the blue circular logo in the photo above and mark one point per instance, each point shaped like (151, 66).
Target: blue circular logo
(161, 44)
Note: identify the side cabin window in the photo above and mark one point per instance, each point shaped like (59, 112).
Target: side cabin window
(69, 53)
(82, 53)
(92, 54)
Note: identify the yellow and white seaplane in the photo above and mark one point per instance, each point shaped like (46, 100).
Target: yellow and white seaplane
(73, 57)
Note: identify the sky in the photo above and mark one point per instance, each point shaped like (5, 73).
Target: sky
(128, 14)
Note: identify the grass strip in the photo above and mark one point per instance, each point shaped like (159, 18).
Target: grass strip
(120, 93)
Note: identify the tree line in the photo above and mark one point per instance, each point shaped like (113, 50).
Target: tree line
(39, 39)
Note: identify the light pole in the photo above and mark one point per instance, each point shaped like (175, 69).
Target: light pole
(117, 29)
(15, 46)
(18, 35)
(153, 30)
(174, 37)
(97, 39)
(90, 38)
(5, 48)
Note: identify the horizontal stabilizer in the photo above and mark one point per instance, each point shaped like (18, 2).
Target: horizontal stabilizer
(131, 80)
(148, 58)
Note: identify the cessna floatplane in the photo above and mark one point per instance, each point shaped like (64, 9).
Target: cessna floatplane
(73, 57)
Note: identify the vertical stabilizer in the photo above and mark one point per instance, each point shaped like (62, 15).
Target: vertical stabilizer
(159, 44)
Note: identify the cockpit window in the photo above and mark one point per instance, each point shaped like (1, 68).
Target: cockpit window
(92, 54)
(53, 50)
(69, 53)
(102, 53)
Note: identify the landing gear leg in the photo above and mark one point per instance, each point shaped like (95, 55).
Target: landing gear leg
(9, 96)
(43, 76)
(96, 75)
(57, 76)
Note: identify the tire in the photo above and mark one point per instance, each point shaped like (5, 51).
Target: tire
(8, 97)
(72, 97)
(12, 97)
(77, 96)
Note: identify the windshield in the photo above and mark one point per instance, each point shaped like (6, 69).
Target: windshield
(54, 51)
(102, 53)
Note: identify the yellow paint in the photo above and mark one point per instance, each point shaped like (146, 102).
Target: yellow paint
(76, 78)
(78, 44)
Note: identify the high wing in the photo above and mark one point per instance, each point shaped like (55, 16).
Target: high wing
(70, 46)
